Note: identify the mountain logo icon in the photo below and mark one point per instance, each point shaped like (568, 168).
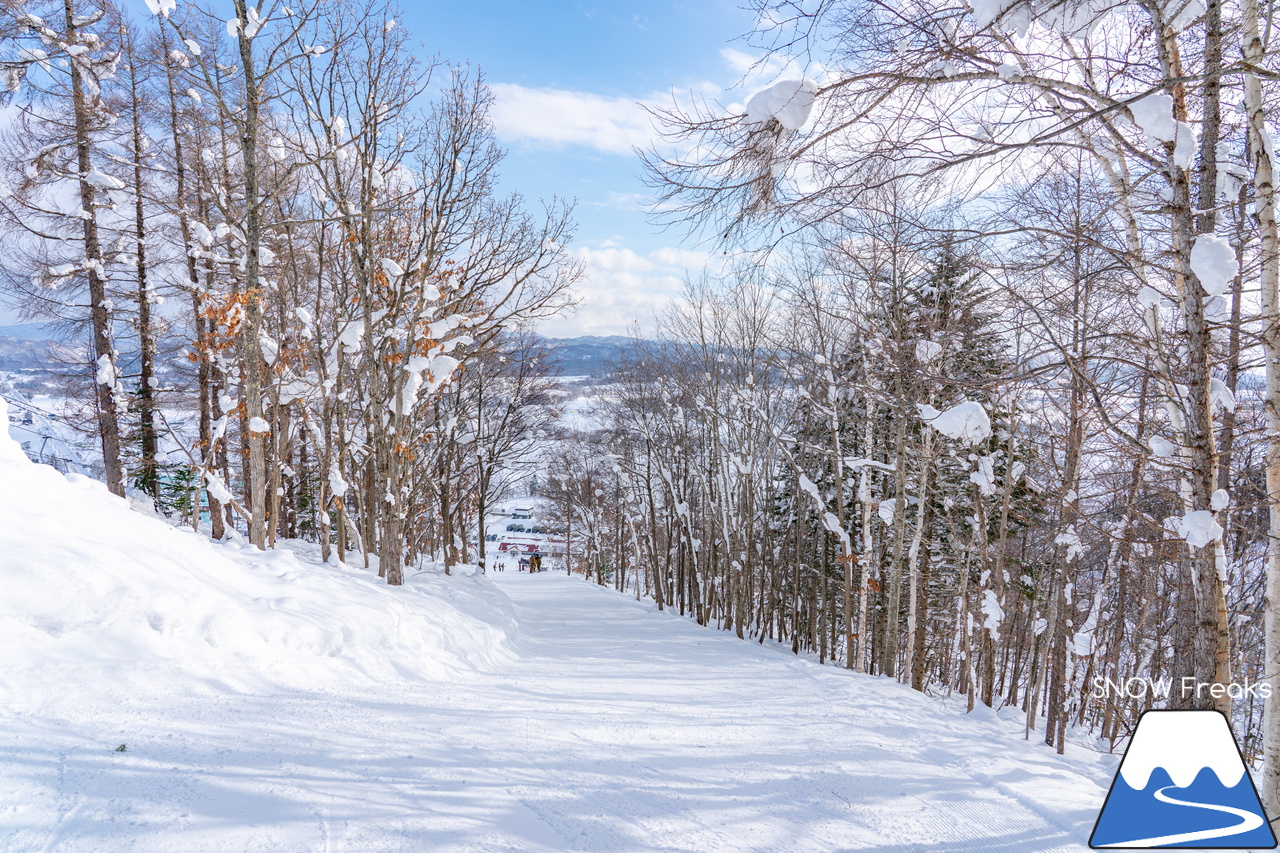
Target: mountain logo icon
(1182, 783)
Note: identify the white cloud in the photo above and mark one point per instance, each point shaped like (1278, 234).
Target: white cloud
(613, 125)
(617, 124)
(629, 201)
(613, 259)
(623, 287)
(684, 258)
(757, 68)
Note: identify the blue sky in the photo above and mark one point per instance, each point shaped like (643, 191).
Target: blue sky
(568, 77)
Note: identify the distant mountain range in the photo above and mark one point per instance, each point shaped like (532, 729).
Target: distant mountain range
(590, 355)
(26, 331)
(29, 346)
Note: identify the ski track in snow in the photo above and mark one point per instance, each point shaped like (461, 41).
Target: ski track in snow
(613, 728)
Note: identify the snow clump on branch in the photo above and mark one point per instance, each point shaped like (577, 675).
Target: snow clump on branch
(1214, 263)
(927, 351)
(967, 422)
(788, 101)
(1198, 528)
(1154, 115)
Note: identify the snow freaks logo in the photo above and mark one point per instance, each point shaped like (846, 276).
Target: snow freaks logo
(1182, 783)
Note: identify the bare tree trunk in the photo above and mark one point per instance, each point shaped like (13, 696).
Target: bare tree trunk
(921, 610)
(391, 535)
(1002, 532)
(250, 340)
(916, 601)
(864, 499)
(1264, 202)
(990, 633)
(1056, 667)
(207, 391)
(889, 652)
(279, 456)
(106, 387)
(482, 507)
(659, 570)
(1211, 659)
(148, 476)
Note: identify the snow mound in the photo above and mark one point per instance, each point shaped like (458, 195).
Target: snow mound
(86, 578)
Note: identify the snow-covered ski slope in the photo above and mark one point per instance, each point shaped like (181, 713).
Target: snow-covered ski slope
(269, 703)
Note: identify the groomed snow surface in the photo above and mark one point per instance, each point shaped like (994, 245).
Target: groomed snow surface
(267, 702)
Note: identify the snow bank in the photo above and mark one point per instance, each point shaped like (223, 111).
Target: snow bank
(87, 579)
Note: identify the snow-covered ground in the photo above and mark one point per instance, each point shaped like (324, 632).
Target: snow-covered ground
(585, 413)
(267, 702)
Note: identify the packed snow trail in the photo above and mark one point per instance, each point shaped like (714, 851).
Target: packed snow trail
(612, 727)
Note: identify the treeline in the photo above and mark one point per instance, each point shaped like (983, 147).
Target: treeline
(292, 217)
(992, 405)
(888, 469)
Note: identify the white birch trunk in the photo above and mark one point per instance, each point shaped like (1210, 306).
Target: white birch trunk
(1264, 188)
